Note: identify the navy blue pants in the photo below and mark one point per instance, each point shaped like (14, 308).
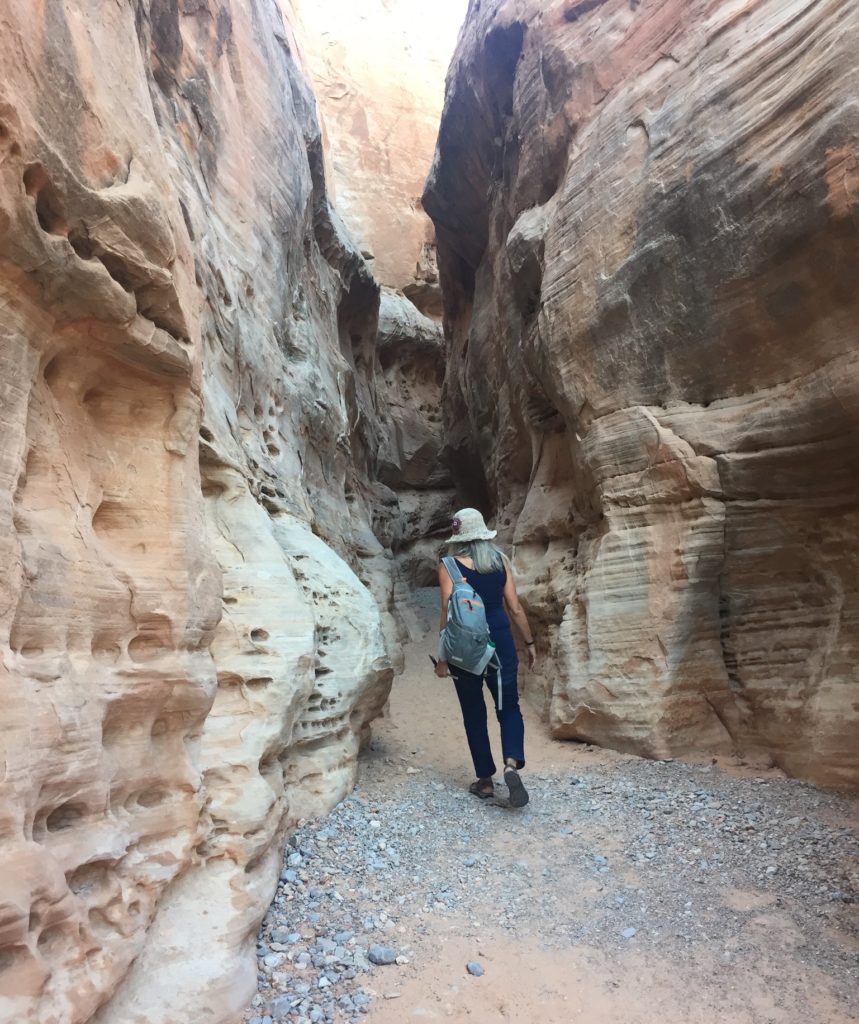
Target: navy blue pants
(469, 689)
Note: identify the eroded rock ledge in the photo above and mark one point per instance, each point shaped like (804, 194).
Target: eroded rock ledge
(647, 222)
(200, 429)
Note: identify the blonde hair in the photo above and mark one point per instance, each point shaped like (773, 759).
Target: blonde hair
(484, 554)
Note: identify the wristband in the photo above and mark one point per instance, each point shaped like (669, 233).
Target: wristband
(530, 643)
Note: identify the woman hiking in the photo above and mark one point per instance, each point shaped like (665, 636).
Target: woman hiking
(488, 571)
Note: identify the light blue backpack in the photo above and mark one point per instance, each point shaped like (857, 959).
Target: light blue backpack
(465, 641)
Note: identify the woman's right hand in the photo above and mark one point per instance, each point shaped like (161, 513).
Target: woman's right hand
(532, 656)
(441, 669)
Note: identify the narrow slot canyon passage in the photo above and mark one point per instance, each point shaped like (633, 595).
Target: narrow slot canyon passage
(287, 288)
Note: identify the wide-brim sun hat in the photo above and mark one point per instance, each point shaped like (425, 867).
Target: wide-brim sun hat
(468, 524)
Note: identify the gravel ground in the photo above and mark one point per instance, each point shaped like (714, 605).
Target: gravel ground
(699, 874)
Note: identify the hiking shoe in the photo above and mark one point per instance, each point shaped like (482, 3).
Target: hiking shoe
(483, 788)
(518, 793)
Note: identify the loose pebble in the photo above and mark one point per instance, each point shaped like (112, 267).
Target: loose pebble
(381, 955)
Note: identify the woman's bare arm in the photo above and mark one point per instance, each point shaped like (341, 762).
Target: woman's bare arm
(517, 614)
(446, 586)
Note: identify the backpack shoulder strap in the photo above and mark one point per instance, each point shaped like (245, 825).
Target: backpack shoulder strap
(453, 570)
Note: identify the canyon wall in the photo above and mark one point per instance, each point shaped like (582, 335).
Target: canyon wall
(199, 442)
(378, 70)
(410, 350)
(648, 223)
(378, 74)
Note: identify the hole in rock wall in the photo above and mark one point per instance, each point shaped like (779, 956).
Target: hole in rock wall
(270, 767)
(112, 516)
(106, 646)
(26, 650)
(100, 925)
(257, 862)
(90, 878)
(59, 819)
(150, 798)
(159, 727)
(581, 8)
(112, 728)
(146, 647)
(54, 939)
(49, 204)
(65, 816)
(12, 957)
(154, 638)
(212, 488)
(259, 635)
(81, 243)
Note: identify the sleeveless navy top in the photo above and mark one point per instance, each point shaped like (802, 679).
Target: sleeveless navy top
(490, 586)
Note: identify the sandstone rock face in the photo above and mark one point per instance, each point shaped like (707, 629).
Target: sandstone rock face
(410, 353)
(193, 600)
(649, 247)
(378, 69)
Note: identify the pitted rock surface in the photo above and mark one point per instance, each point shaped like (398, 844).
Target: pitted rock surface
(195, 602)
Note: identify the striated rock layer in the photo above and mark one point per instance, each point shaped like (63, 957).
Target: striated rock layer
(195, 420)
(648, 224)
